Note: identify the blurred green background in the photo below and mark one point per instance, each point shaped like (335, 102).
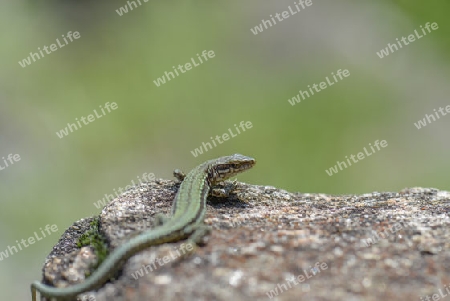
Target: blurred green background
(251, 78)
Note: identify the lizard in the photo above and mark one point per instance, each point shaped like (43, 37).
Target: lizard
(186, 221)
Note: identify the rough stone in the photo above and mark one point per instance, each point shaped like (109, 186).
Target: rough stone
(269, 242)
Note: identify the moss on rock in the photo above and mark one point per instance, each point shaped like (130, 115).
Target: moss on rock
(96, 240)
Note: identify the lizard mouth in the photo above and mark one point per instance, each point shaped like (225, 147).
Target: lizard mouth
(247, 166)
(244, 166)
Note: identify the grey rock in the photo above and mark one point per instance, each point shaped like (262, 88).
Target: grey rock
(270, 242)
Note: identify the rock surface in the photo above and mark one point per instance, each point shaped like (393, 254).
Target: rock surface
(268, 244)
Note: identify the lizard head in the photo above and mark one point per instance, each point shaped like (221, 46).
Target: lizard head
(226, 167)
